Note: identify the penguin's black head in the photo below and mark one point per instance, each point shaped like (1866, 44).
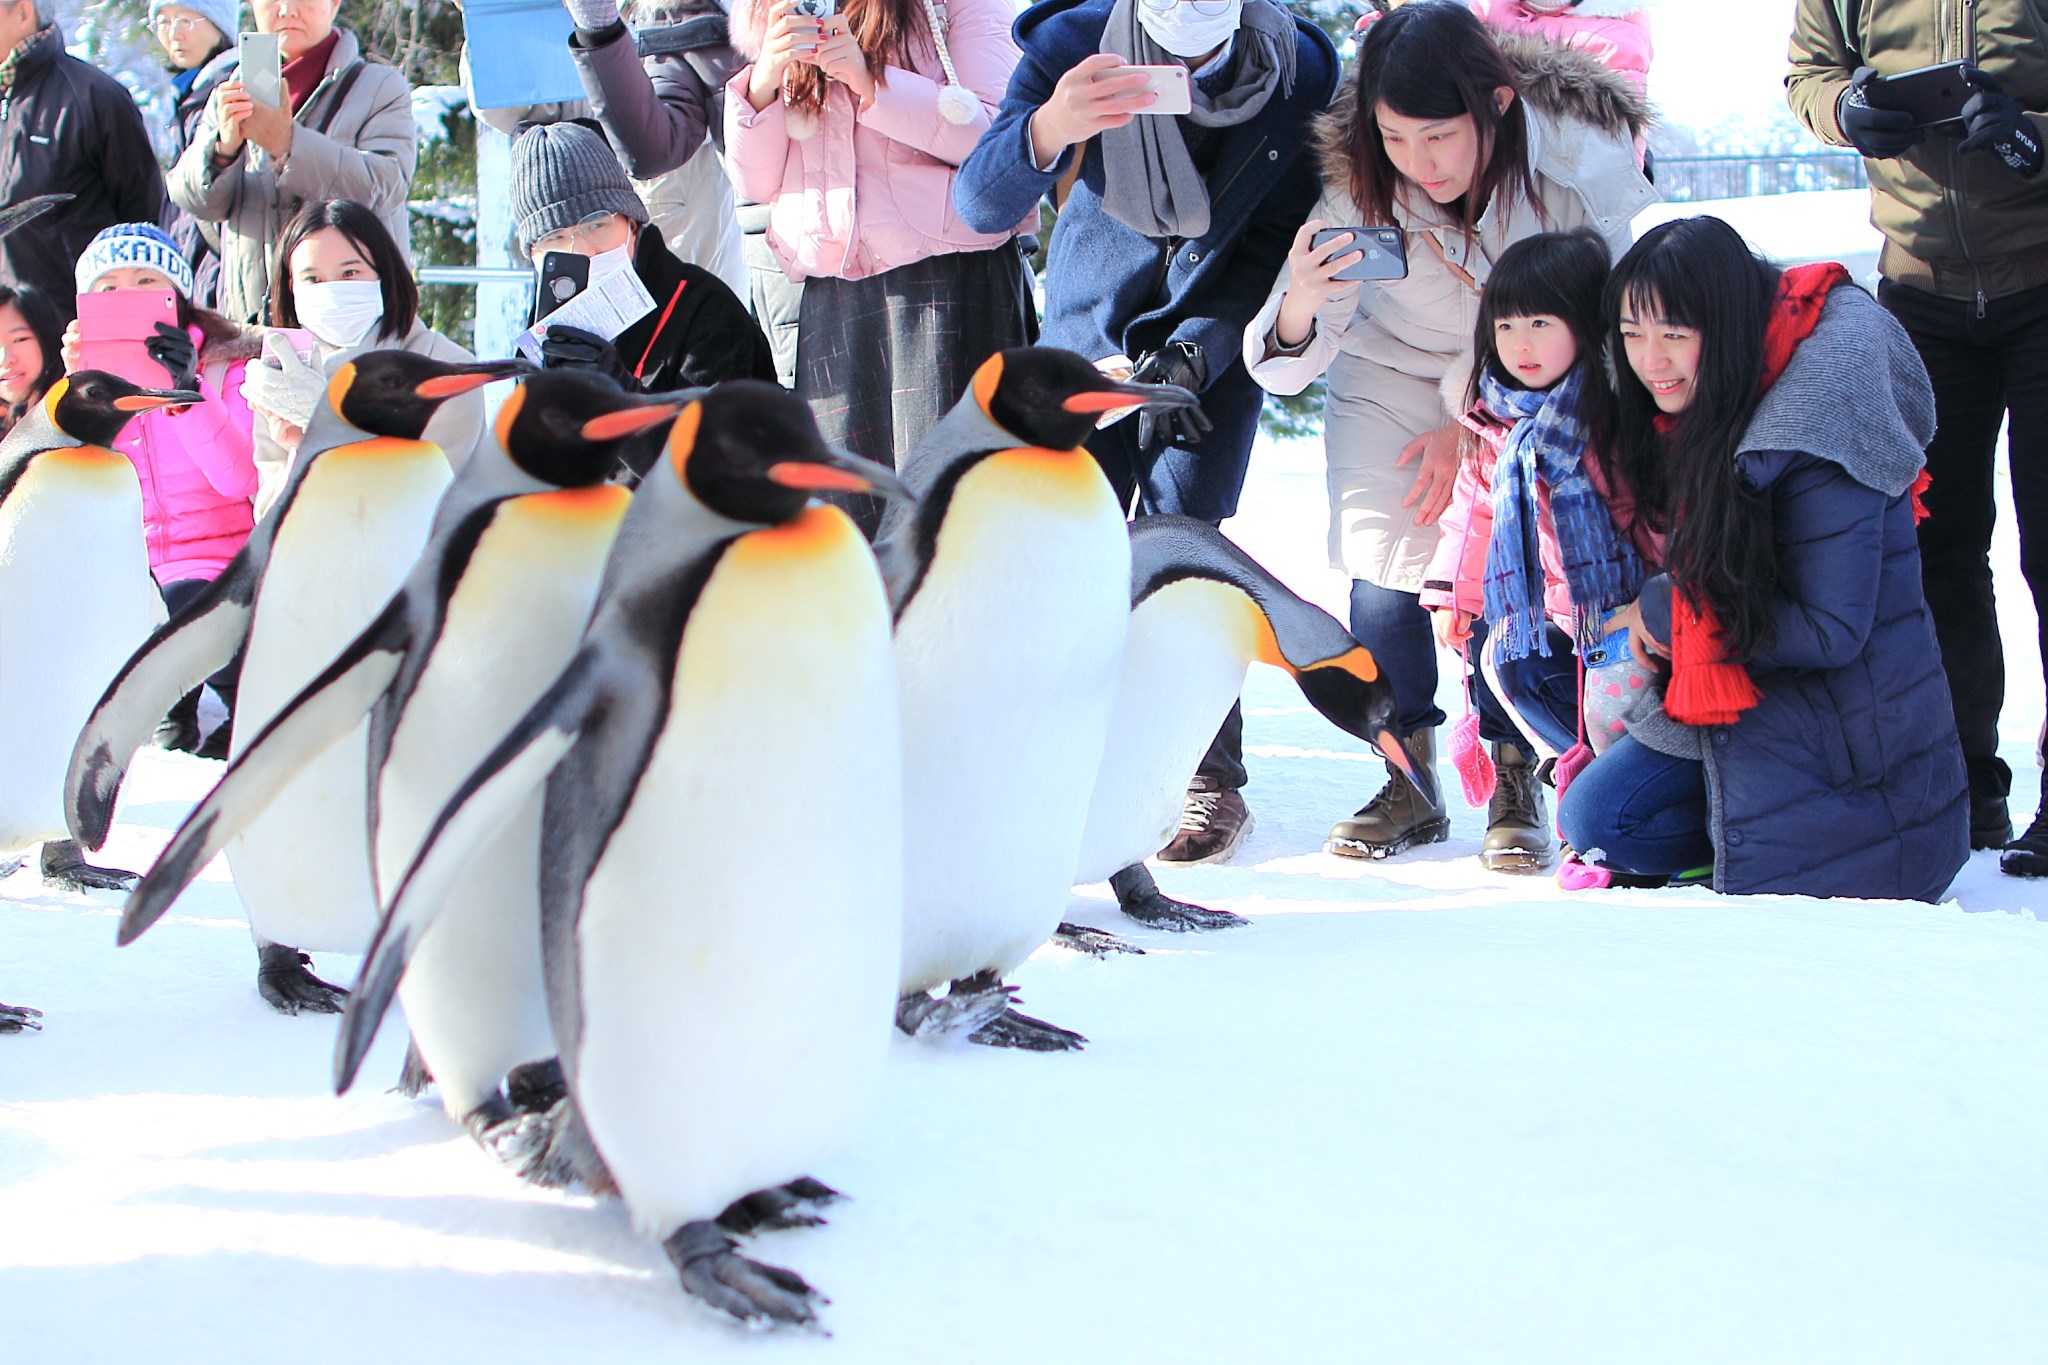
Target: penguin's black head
(1053, 398)
(1356, 697)
(751, 451)
(396, 393)
(92, 406)
(571, 427)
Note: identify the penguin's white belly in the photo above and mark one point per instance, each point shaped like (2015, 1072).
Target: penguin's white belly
(348, 539)
(737, 947)
(1009, 656)
(76, 600)
(1184, 664)
(473, 991)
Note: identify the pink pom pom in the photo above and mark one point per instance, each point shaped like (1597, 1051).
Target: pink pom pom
(1474, 764)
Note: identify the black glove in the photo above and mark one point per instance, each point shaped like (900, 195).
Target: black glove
(1877, 133)
(174, 349)
(1178, 362)
(1996, 122)
(574, 348)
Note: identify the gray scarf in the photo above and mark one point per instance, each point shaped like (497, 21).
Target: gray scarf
(1149, 182)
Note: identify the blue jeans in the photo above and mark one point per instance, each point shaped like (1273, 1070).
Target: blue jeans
(1396, 629)
(1639, 810)
(1542, 688)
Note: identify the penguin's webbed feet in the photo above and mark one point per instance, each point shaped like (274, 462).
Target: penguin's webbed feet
(1094, 942)
(285, 979)
(65, 869)
(794, 1205)
(1139, 897)
(970, 1004)
(537, 1087)
(1022, 1031)
(754, 1295)
(525, 1143)
(15, 1018)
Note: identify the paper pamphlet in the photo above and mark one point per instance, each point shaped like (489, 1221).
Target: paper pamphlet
(607, 308)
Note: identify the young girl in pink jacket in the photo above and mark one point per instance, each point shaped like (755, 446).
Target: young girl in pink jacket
(196, 464)
(851, 129)
(1530, 561)
(1615, 31)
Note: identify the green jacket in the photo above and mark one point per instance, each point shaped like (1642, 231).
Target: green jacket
(1958, 226)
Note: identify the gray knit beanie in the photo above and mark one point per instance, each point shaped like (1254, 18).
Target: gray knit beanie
(561, 174)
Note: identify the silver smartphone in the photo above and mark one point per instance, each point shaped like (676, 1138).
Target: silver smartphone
(262, 68)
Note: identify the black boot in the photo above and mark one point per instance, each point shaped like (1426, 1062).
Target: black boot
(2027, 856)
(179, 729)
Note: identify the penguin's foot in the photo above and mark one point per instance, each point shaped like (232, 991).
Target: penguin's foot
(523, 1142)
(414, 1076)
(754, 1295)
(284, 978)
(1094, 942)
(970, 1004)
(15, 1018)
(1140, 898)
(536, 1087)
(794, 1205)
(1022, 1031)
(65, 869)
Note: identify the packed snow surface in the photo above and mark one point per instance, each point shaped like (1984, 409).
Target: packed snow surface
(1416, 1112)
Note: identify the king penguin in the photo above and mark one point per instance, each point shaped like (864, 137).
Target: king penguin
(1011, 587)
(348, 527)
(722, 1007)
(1202, 611)
(486, 620)
(76, 598)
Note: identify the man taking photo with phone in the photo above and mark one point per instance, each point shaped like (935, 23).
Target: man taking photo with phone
(1170, 228)
(1964, 209)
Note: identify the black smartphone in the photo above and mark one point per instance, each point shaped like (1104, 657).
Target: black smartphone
(1933, 95)
(563, 275)
(1384, 252)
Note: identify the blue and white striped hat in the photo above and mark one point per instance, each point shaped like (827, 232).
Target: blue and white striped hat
(134, 244)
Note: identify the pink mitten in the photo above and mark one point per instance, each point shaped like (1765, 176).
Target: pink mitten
(1469, 757)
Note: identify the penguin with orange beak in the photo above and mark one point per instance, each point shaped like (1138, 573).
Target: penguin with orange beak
(354, 515)
(76, 598)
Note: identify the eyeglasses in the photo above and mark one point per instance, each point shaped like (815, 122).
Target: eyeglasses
(592, 228)
(181, 24)
(1208, 9)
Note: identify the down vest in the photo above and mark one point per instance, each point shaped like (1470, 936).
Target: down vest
(1847, 778)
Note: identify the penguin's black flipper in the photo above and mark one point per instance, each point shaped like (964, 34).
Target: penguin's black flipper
(1140, 898)
(487, 798)
(413, 1074)
(180, 655)
(752, 1294)
(1081, 938)
(15, 1018)
(325, 710)
(1032, 1035)
(65, 868)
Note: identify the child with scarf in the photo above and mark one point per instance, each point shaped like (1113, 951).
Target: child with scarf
(1530, 563)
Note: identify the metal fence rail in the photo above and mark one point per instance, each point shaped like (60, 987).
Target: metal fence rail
(1684, 178)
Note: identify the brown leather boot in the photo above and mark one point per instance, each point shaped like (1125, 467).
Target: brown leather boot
(1399, 817)
(1212, 824)
(1517, 829)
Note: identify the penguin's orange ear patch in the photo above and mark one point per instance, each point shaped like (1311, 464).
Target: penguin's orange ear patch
(815, 477)
(986, 380)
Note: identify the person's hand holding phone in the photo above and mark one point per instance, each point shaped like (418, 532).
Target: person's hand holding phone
(68, 348)
(268, 126)
(231, 106)
(839, 56)
(1312, 280)
(1876, 133)
(792, 37)
(1093, 96)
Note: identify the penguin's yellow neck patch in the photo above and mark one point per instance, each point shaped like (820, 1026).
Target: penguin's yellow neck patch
(1054, 477)
(379, 448)
(816, 530)
(580, 506)
(84, 457)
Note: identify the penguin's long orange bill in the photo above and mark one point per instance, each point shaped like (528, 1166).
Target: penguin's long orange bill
(149, 400)
(1391, 750)
(1123, 394)
(841, 471)
(613, 426)
(470, 379)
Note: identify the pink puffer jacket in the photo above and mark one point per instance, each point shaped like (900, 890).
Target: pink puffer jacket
(1615, 31)
(854, 192)
(198, 471)
(1456, 577)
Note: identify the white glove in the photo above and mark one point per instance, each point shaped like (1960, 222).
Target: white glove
(593, 16)
(283, 384)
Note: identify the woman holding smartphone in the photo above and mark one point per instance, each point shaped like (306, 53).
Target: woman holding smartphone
(1467, 143)
(851, 128)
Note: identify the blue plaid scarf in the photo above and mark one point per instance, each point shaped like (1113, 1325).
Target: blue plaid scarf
(1545, 446)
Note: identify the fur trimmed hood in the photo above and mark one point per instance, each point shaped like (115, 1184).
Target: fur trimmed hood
(1560, 83)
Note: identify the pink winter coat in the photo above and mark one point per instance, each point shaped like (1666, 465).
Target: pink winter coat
(855, 192)
(198, 471)
(1456, 577)
(1615, 31)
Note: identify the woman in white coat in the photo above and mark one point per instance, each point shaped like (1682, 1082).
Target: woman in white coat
(1468, 142)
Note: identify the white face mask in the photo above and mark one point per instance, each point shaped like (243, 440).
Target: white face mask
(342, 312)
(1190, 28)
(605, 264)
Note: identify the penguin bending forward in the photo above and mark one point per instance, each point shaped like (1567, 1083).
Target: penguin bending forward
(347, 528)
(722, 1007)
(486, 620)
(76, 598)
(1011, 586)
(1202, 610)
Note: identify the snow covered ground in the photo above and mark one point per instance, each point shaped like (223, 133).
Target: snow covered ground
(1415, 1113)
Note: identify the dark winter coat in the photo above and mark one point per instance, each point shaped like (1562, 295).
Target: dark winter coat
(1110, 290)
(1847, 779)
(658, 105)
(67, 128)
(197, 242)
